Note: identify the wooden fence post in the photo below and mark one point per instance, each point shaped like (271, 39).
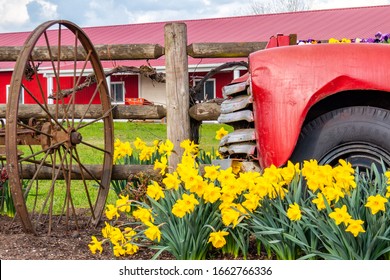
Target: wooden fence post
(177, 87)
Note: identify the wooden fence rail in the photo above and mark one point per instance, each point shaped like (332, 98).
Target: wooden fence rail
(138, 51)
(128, 112)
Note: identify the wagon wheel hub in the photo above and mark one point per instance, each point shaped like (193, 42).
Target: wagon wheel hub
(75, 138)
(71, 137)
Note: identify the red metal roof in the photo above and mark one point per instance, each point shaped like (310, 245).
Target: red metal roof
(360, 22)
(320, 24)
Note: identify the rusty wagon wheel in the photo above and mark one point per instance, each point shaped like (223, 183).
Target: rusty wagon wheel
(49, 154)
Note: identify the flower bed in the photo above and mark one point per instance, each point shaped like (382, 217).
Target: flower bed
(292, 212)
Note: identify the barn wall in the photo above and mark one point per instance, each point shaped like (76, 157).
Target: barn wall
(131, 84)
(5, 78)
(152, 91)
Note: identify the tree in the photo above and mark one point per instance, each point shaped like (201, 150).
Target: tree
(279, 6)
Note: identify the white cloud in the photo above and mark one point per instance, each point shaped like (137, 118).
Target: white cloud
(48, 9)
(25, 14)
(13, 13)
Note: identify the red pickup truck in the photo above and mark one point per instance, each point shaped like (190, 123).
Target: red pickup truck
(322, 101)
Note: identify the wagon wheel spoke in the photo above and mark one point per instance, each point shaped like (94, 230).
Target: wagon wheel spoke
(84, 183)
(48, 154)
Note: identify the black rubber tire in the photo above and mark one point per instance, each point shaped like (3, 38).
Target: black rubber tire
(360, 135)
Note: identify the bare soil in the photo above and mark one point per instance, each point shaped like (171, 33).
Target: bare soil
(67, 243)
(64, 243)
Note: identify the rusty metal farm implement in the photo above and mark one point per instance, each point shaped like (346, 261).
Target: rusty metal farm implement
(42, 150)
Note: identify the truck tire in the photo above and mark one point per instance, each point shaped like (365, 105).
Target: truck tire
(360, 135)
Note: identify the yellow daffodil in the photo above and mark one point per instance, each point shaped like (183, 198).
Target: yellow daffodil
(116, 236)
(288, 173)
(332, 193)
(388, 192)
(162, 165)
(131, 249)
(227, 197)
(233, 187)
(106, 231)
(139, 144)
(171, 181)
(252, 201)
(198, 186)
(226, 175)
(166, 147)
(236, 166)
(95, 245)
(153, 232)
(333, 41)
(179, 209)
(125, 149)
(230, 216)
(184, 205)
(340, 215)
(191, 178)
(111, 212)
(143, 214)
(118, 250)
(221, 133)
(117, 143)
(121, 149)
(272, 174)
(248, 181)
(376, 203)
(122, 204)
(345, 40)
(294, 212)
(278, 189)
(190, 148)
(155, 191)
(146, 153)
(309, 167)
(344, 176)
(190, 201)
(261, 187)
(211, 172)
(355, 227)
(211, 193)
(218, 238)
(320, 201)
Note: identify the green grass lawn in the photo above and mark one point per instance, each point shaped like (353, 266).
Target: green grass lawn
(148, 132)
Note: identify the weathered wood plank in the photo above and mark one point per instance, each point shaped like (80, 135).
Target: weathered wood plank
(177, 87)
(138, 51)
(201, 112)
(224, 50)
(119, 172)
(205, 111)
(105, 52)
(136, 112)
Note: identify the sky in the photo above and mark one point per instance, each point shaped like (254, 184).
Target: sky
(25, 15)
